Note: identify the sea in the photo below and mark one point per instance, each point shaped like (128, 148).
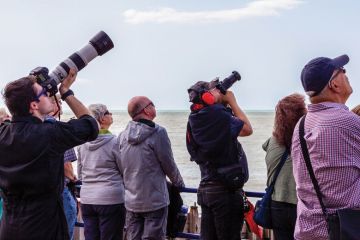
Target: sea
(175, 124)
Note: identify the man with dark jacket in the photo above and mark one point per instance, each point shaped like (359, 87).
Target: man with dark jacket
(214, 124)
(32, 159)
(145, 160)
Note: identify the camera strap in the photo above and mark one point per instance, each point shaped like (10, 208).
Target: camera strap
(58, 107)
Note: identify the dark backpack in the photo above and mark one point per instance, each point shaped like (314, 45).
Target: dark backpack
(175, 223)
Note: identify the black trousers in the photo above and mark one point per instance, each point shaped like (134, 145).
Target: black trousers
(283, 216)
(103, 222)
(222, 213)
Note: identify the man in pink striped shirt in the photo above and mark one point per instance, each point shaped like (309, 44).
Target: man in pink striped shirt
(332, 135)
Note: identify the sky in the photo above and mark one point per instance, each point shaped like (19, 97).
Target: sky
(163, 47)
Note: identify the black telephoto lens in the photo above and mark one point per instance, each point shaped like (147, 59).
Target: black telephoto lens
(102, 43)
(228, 82)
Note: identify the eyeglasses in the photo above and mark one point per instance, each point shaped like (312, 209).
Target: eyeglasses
(149, 104)
(340, 70)
(107, 113)
(43, 92)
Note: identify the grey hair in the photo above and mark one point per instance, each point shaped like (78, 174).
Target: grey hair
(97, 110)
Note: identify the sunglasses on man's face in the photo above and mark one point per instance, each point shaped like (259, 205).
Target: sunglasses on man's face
(43, 92)
(150, 104)
(107, 113)
(340, 70)
(146, 106)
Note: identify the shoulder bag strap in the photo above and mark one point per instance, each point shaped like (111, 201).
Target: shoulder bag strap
(279, 167)
(308, 164)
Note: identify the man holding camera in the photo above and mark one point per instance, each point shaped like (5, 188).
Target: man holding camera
(32, 159)
(214, 124)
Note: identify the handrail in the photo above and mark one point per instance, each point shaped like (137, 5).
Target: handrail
(192, 190)
(247, 193)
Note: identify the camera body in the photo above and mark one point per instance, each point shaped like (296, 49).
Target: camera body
(200, 91)
(98, 45)
(43, 78)
(228, 82)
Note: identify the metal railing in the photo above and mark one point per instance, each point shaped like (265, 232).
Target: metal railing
(194, 190)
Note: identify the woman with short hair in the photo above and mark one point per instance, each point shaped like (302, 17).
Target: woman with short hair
(102, 191)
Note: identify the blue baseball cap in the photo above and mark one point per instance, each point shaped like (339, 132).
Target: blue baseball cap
(317, 73)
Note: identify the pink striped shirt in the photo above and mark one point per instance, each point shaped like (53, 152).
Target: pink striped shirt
(332, 134)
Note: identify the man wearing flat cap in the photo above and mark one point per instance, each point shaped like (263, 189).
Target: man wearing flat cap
(215, 122)
(332, 139)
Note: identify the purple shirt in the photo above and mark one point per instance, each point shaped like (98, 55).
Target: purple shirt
(332, 134)
(70, 155)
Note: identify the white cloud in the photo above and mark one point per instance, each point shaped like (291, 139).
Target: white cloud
(257, 8)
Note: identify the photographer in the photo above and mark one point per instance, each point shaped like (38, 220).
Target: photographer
(32, 159)
(214, 124)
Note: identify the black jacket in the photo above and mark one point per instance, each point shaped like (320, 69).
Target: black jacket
(174, 223)
(32, 172)
(212, 140)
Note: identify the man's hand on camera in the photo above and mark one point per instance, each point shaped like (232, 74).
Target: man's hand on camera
(229, 98)
(68, 81)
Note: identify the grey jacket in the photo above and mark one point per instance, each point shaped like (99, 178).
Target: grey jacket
(98, 169)
(145, 160)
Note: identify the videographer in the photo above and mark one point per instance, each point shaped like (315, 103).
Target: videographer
(32, 159)
(215, 122)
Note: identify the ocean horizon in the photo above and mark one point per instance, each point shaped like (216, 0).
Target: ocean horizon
(175, 122)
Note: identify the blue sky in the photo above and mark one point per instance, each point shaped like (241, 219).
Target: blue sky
(163, 47)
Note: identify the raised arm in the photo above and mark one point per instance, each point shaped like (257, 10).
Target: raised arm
(230, 99)
(68, 96)
(166, 159)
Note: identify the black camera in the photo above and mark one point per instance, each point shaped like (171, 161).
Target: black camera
(98, 45)
(228, 82)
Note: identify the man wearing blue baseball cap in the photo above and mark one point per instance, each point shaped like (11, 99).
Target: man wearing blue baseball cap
(332, 138)
(321, 72)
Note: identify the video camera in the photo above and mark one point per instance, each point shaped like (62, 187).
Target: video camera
(98, 45)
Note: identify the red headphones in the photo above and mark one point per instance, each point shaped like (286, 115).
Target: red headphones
(207, 98)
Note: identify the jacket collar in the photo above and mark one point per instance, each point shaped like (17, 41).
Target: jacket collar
(147, 122)
(29, 119)
(326, 105)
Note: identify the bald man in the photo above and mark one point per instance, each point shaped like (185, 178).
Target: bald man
(146, 160)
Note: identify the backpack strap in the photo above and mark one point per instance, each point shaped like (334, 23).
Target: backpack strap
(309, 166)
(279, 167)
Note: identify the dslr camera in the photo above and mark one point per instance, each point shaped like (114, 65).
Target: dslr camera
(227, 82)
(197, 92)
(98, 45)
